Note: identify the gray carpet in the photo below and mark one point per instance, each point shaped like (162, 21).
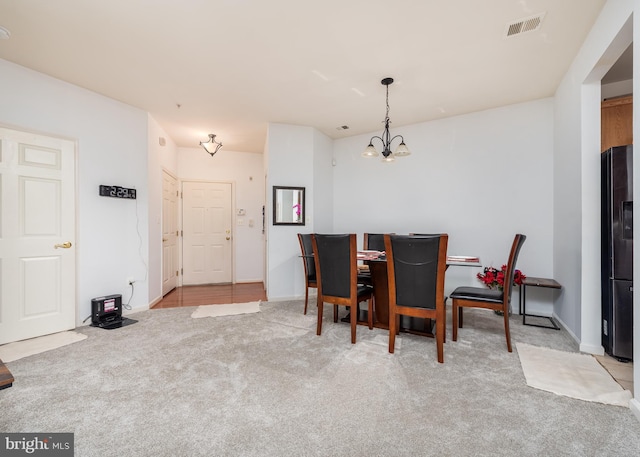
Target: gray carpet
(264, 384)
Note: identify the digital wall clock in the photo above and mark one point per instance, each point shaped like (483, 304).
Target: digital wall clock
(117, 191)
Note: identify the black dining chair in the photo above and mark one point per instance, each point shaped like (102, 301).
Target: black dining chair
(373, 242)
(306, 248)
(336, 272)
(416, 268)
(482, 297)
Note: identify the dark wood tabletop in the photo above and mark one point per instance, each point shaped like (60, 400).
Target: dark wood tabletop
(541, 282)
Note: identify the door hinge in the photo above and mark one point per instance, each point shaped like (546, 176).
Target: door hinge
(182, 271)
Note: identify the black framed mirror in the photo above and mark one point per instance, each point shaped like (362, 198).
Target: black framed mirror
(288, 205)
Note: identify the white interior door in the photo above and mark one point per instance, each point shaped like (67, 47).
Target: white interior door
(169, 233)
(207, 237)
(37, 235)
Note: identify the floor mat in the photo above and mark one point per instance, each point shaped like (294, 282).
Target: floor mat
(571, 374)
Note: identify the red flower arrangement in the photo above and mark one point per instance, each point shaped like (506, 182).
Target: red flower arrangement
(494, 278)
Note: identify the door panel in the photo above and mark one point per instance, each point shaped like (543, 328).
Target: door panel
(169, 233)
(38, 276)
(207, 240)
(40, 207)
(37, 207)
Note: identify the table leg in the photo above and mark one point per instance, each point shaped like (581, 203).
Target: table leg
(553, 326)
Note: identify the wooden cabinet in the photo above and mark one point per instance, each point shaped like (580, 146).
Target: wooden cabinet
(617, 122)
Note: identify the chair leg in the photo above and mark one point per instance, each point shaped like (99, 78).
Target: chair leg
(335, 313)
(370, 314)
(441, 328)
(306, 298)
(354, 317)
(320, 311)
(506, 328)
(440, 342)
(392, 332)
(460, 317)
(454, 320)
(445, 319)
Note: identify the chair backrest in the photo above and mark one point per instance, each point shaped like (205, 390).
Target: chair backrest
(335, 257)
(306, 247)
(373, 242)
(416, 266)
(518, 241)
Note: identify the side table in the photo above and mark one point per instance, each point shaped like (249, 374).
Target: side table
(536, 282)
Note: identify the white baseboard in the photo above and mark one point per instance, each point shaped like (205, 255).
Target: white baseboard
(592, 349)
(137, 309)
(277, 299)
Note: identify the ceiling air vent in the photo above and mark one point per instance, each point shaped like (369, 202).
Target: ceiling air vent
(528, 24)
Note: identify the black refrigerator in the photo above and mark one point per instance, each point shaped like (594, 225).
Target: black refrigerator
(617, 252)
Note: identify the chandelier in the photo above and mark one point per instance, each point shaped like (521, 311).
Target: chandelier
(212, 145)
(386, 139)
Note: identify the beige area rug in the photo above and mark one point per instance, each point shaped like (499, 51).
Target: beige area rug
(226, 310)
(570, 374)
(14, 351)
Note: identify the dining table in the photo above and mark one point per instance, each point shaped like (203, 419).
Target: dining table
(376, 263)
(377, 266)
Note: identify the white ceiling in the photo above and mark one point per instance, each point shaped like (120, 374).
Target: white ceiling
(231, 66)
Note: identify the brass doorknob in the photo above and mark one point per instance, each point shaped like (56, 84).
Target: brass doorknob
(164, 239)
(228, 238)
(65, 245)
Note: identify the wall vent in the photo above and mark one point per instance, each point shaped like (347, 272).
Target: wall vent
(527, 24)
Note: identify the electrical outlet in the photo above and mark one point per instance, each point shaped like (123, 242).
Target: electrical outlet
(130, 281)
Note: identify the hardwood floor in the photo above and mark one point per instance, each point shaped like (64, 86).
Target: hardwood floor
(213, 295)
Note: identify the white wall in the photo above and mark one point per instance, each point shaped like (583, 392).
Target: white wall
(481, 178)
(300, 157)
(617, 89)
(112, 236)
(322, 184)
(576, 164)
(161, 158)
(577, 174)
(245, 171)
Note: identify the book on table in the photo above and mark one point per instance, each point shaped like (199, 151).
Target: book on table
(463, 258)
